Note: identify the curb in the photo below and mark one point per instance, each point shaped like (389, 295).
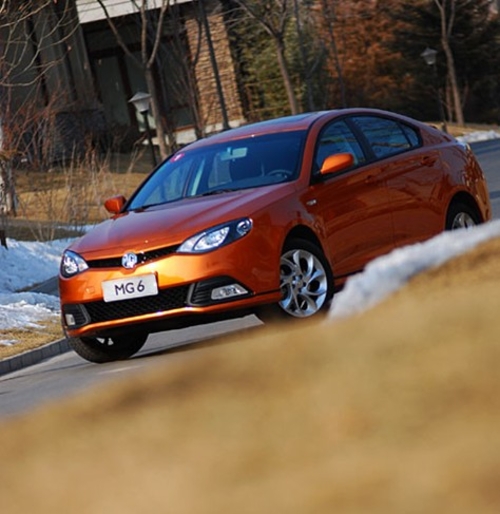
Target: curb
(32, 357)
(49, 286)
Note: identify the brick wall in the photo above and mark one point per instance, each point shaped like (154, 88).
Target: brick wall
(209, 99)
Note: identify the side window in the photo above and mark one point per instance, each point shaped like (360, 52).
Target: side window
(412, 135)
(337, 138)
(386, 137)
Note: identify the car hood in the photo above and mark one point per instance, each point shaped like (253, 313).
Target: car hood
(171, 224)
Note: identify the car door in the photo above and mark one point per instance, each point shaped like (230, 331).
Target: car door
(411, 172)
(352, 206)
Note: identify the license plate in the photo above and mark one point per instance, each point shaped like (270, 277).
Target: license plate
(127, 288)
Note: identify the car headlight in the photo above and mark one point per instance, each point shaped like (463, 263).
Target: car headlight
(216, 237)
(72, 264)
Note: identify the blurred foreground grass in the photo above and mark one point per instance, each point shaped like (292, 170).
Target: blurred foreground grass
(393, 411)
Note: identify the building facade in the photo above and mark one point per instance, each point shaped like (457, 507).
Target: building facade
(184, 73)
(84, 62)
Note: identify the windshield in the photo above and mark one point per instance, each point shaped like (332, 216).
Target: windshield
(240, 164)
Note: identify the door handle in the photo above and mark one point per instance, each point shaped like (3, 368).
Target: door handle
(428, 160)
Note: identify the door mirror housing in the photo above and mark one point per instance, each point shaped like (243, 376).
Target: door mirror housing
(115, 204)
(337, 162)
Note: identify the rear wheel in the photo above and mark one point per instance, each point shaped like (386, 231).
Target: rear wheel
(461, 215)
(306, 283)
(107, 349)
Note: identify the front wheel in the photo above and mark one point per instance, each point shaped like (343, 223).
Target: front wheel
(306, 283)
(461, 215)
(107, 349)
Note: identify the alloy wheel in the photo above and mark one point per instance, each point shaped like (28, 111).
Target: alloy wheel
(304, 283)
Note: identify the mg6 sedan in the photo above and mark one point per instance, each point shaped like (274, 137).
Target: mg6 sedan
(269, 218)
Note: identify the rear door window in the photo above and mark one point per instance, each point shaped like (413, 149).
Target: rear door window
(385, 136)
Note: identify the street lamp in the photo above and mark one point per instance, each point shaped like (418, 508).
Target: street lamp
(141, 103)
(429, 56)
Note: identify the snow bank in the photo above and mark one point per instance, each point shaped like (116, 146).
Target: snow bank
(386, 274)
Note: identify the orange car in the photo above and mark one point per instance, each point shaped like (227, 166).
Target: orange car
(269, 218)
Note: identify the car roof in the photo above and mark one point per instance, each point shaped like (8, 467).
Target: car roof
(282, 124)
(297, 122)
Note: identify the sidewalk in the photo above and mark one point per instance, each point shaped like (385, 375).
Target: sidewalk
(31, 357)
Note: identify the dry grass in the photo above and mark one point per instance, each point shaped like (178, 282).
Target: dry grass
(459, 130)
(71, 198)
(50, 330)
(59, 202)
(393, 411)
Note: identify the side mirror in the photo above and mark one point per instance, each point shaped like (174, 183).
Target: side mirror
(337, 162)
(115, 204)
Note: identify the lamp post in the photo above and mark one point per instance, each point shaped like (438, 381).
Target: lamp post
(429, 56)
(141, 103)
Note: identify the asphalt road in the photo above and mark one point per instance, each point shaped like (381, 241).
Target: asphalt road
(67, 374)
(488, 154)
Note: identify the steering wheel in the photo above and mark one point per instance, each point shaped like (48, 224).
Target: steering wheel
(281, 173)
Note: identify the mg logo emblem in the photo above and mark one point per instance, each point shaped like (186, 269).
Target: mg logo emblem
(129, 260)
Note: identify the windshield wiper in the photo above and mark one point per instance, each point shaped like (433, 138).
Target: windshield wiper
(206, 193)
(216, 192)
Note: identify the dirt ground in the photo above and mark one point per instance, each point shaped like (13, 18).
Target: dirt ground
(396, 410)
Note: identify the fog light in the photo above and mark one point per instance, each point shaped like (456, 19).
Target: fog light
(70, 320)
(221, 293)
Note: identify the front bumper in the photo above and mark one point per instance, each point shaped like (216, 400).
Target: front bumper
(185, 290)
(171, 308)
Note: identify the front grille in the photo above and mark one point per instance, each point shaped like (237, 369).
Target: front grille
(116, 262)
(165, 300)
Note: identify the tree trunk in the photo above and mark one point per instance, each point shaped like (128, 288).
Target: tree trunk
(330, 19)
(155, 108)
(303, 56)
(446, 28)
(7, 190)
(292, 100)
(455, 93)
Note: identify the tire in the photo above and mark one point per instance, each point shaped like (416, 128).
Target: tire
(107, 349)
(306, 282)
(461, 215)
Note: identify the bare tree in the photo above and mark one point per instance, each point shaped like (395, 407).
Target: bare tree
(34, 47)
(215, 68)
(274, 16)
(329, 15)
(303, 54)
(447, 11)
(150, 39)
(184, 86)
